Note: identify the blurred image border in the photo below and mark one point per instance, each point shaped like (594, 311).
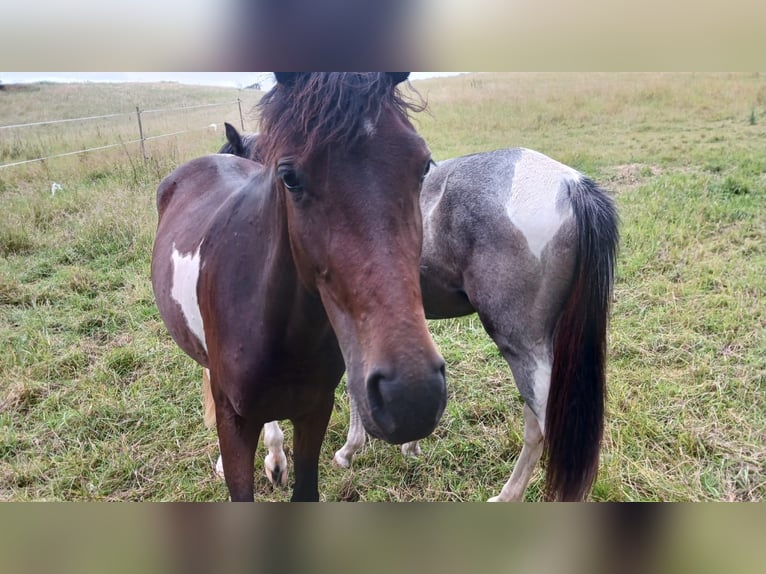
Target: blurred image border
(448, 538)
(525, 35)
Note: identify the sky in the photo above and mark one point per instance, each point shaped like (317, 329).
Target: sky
(228, 79)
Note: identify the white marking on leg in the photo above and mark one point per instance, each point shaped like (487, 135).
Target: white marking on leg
(542, 382)
(184, 290)
(354, 440)
(525, 465)
(532, 206)
(411, 448)
(219, 467)
(275, 463)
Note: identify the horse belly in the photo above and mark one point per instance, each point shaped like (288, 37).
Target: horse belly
(443, 295)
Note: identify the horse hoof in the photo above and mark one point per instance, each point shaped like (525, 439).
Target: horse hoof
(411, 449)
(500, 498)
(341, 461)
(218, 468)
(276, 472)
(277, 476)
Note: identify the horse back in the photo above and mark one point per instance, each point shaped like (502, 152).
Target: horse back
(493, 222)
(471, 199)
(208, 179)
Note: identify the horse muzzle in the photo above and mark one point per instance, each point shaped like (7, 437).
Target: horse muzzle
(404, 407)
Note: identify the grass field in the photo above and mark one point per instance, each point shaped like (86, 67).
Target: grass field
(97, 403)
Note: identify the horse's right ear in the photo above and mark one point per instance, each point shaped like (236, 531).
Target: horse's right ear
(287, 79)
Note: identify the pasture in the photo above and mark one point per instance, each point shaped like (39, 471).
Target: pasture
(98, 403)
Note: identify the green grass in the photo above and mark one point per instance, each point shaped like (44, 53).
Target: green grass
(97, 403)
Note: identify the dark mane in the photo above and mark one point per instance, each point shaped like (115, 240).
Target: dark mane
(323, 108)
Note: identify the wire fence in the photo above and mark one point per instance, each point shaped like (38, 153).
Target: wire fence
(141, 139)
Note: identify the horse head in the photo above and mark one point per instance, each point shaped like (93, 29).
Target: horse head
(349, 165)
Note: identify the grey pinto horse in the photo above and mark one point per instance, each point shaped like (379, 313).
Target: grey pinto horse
(530, 245)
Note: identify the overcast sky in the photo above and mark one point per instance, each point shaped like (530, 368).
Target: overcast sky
(231, 79)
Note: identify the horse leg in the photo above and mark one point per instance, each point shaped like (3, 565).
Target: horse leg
(518, 329)
(275, 463)
(209, 416)
(525, 465)
(354, 440)
(237, 439)
(308, 434)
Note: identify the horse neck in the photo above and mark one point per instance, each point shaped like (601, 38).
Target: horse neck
(280, 257)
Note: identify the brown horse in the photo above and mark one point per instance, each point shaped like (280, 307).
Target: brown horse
(530, 245)
(279, 276)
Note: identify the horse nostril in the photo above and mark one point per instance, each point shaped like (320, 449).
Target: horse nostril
(443, 370)
(406, 408)
(378, 403)
(373, 390)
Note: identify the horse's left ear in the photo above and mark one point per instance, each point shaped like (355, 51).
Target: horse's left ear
(398, 77)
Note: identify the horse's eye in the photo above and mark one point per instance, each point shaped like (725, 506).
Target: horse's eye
(289, 177)
(426, 169)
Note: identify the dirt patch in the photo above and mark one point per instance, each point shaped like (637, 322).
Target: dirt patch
(629, 176)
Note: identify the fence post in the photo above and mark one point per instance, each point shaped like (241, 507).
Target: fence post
(241, 121)
(141, 133)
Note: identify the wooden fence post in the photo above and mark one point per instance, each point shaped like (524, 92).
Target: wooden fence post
(141, 133)
(241, 121)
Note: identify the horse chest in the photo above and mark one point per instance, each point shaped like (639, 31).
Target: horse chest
(273, 385)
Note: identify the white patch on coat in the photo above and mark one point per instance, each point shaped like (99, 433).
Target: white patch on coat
(184, 290)
(542, 386)
(532, 206)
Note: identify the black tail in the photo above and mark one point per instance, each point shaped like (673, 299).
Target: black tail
(574, 419)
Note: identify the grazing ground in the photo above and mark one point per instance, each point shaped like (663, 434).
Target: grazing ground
(97, 403)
